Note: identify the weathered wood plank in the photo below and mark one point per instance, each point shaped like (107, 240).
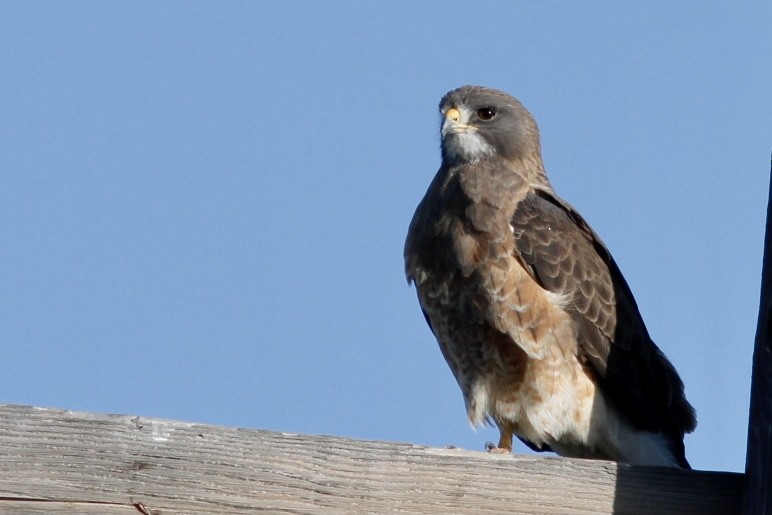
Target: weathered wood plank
(175, 467)
(758, 460)
(51, 507)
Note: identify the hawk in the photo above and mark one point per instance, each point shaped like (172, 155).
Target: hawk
(530, 311)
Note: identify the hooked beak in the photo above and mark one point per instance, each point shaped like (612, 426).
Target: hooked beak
(453, 122)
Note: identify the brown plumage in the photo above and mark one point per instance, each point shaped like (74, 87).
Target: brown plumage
(529, 308)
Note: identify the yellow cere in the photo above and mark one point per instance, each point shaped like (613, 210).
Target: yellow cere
(453, 114)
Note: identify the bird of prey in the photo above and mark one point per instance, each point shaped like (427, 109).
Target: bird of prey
(530, 311)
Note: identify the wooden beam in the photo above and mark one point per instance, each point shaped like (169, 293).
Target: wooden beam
(758, 460)
(56, 461)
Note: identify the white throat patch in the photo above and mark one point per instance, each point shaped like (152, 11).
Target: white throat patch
(462, 142)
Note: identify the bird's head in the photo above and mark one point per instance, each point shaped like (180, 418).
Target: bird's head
(480, 123)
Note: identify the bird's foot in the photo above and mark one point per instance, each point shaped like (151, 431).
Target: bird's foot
(493, 449)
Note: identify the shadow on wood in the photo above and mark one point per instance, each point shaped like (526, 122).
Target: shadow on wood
(57, 461)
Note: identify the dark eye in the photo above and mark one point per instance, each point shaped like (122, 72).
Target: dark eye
(486, 113)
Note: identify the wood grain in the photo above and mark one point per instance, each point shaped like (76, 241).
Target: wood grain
(57, 461)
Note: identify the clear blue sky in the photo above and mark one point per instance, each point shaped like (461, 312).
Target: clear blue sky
(204, 204)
